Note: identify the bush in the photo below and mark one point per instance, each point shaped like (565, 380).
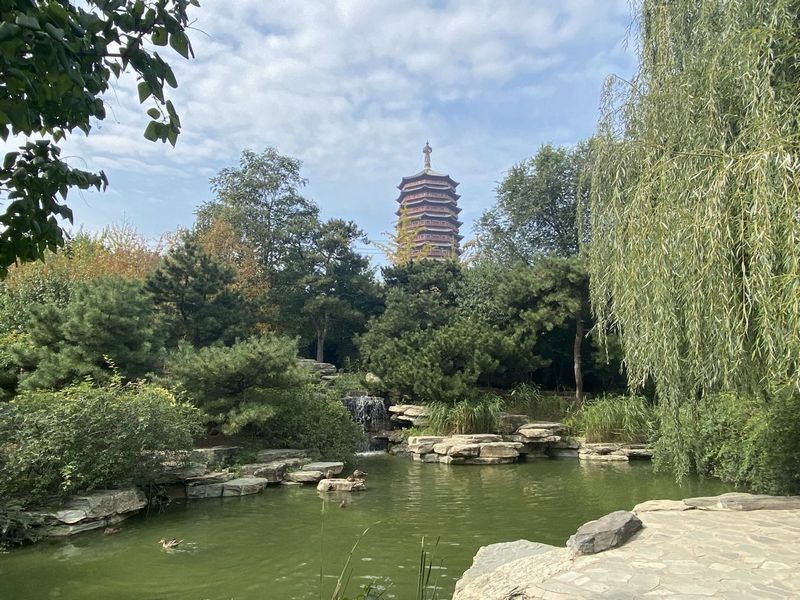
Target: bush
(55, 443)
(627, 419)
(749, 442)
(237, 387)
(467, 416)
(312, 418)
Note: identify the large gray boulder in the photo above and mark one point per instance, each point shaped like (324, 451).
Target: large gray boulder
(243, 486)
(605, 533)
(214, 456)
(274, 470)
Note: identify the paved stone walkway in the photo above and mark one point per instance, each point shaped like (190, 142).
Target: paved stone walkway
(678, 554)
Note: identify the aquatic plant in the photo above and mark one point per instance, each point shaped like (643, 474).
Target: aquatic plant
(615, 419)
(467, 416)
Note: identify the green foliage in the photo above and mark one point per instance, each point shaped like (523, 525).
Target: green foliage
(195, 301)
(237, 386)
(316, 419)
(536, 212)
(57, 59)
(627, 419)
(528, 399)
(748, 441)
(481, 415)
(106, 325)
(694, 260)
(86, 437)
(17, 527)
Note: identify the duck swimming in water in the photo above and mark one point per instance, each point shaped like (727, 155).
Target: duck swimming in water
(358, 474)
(169, 544)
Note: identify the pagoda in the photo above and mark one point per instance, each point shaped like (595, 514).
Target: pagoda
(429, 208)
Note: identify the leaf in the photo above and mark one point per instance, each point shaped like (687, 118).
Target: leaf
(180, 43)
(151, 133)
(154, 113)
(144, 91)
(159, 37)
(27, 21)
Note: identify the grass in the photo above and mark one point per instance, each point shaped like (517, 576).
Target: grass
(467, 416)
(528, 399)
(626, 419)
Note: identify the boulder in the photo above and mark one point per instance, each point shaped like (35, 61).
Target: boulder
(341, 485)
(605, 533)
(443, 447)
(244, 486)
(743, 501)
(334, 467)
(638, 452)
(304, 476)
(602, 452)
(271, 454)
(476, 438)
(101, 504)
(500, 450)
(489, 461)
(213, 477)
(510, 423)
(211, 490)
(214, 456)
(464, 450)
(423, 444)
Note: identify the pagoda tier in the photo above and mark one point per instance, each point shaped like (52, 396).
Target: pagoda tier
(430, 203)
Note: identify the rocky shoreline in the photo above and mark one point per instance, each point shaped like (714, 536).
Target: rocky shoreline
(735, 545)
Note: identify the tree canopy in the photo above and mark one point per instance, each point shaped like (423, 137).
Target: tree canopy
(56, 61)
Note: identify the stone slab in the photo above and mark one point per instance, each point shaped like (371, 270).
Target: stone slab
(304, 476)
(244, 486)
(334, 467)
(488, 558)
(744, 501)
(500, 450)
(271, 454)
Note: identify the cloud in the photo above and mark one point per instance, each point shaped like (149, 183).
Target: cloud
(355, 87)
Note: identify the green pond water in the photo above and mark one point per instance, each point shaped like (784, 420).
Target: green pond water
(272, 545)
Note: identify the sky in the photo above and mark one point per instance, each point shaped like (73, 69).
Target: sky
(354, 89)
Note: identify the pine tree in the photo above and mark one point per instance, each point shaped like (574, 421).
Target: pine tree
(194, 296)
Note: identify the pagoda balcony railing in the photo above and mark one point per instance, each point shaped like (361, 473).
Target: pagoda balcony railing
(444, 224)
(424, 195)
(434, 236)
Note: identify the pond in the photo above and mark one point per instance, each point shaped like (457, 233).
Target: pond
(274, 545)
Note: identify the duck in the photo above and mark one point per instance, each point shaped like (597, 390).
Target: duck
(169, 544)
(359, 474)
(111, 530)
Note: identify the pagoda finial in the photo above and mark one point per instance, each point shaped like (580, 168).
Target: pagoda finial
(427, 152)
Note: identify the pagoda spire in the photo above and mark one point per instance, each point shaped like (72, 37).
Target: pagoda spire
(427, 152)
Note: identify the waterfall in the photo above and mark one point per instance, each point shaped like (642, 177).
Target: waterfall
(369, 412)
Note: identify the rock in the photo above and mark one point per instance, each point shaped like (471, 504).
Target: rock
(423, 444)
(500, 450)
(415, 411)
(638, 452)
(265, 456)
(443, 447)
(244, 486)
(396, 436)
(399, 408)
(566, 448)
(605, 533)
(373, 380)
(214, 456)
(341, 485)
(464, 450)
(399, 449)
(510, 423)
(602, 452)
(91, 511)
(274, 470)
(743, 501)
(657, 505)
(541, 429)
(488, 558)
(334, 467)
(304, 476)
(476, 438)
(214, 477)
(211, 490)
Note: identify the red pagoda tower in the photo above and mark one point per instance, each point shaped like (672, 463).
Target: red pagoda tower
(429, 206)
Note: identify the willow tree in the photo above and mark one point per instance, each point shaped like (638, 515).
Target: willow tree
(695, 210)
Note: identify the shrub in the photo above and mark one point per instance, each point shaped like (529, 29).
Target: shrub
(237, 386)
(627, 419)
(748, 441)
(467, 416)
(86, 437)
(312, 418)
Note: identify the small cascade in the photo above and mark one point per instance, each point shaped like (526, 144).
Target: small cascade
(369, 412)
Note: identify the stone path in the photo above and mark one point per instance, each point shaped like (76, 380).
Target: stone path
(678, 554)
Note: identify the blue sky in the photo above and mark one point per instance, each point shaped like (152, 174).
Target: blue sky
(354, 89)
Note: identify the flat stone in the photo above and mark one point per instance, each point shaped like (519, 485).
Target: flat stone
(607, 532)
(67, 530)
(304, 476)
(464, 450)
(743, 501)
(271, 454)
(488, 558)
(615, 457)
(655, 505)
(334, 467)
(442, 447)
(476, 438)
(213, 477)
(101, 504)
(244, 486)
(341, 485)
(211, 490)
(538, 434)
(413, 410)
(500, 450)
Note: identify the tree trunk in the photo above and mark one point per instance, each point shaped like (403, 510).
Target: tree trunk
(576, 356)
(322, 333)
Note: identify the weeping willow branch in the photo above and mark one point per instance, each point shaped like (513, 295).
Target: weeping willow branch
(695, 203)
